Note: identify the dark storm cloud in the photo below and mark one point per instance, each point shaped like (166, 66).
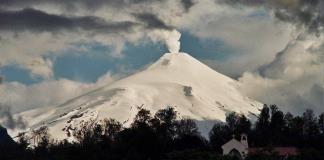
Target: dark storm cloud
(151, 21)
(266, 69)
(20, 15)
(243, 2)
(75, 4)
(187, 4)
(307, 13)
(39, 21)
(8, 120)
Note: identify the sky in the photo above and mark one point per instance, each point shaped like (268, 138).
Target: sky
(51, 51)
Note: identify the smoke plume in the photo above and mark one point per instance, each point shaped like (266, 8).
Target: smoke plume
(173, 41)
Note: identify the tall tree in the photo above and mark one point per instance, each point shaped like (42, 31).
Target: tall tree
(264, 118)
(38, 135)
(142, 118)
(140, 141)
(111, 128)
(311, 127)
(243, 125)
(188, 136)
(232, 120)
(262, 128)
(321, 122)
(165, 122)
(288, 119)
(277, 116)
(186, 127)
(277, 125)
(219, 135)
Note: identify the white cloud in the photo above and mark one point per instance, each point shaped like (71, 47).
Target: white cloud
(254, 34)
(27, 51)
(24, 47)
(48, 93)
(205, 19)
(41, 67)
(294, 80)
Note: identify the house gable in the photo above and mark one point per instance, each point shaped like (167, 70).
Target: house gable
(237, 145)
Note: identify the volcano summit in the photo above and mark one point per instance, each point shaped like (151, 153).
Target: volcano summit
(176, 79)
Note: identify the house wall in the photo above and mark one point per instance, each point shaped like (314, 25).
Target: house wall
(234, 144)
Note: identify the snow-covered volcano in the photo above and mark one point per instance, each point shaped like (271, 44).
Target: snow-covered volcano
(176, 79)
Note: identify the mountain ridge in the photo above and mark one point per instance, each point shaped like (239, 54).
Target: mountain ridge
(177, 80)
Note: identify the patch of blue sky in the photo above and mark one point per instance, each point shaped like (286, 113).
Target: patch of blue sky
(207, 48)
(94, 60)
(88, 67)
(13, 73)
(260, 13)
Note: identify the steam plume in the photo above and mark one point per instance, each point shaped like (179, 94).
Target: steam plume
(172, 41)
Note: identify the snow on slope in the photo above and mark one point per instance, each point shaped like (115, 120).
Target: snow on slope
(176, 79)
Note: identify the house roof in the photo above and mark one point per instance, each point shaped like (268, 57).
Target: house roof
(233, 143)
(280, 151)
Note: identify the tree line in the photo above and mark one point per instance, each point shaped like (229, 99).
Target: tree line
(164, 136)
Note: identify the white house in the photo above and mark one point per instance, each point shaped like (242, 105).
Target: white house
(237, 148)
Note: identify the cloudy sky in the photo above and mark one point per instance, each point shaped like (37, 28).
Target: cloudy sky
(53, 50)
